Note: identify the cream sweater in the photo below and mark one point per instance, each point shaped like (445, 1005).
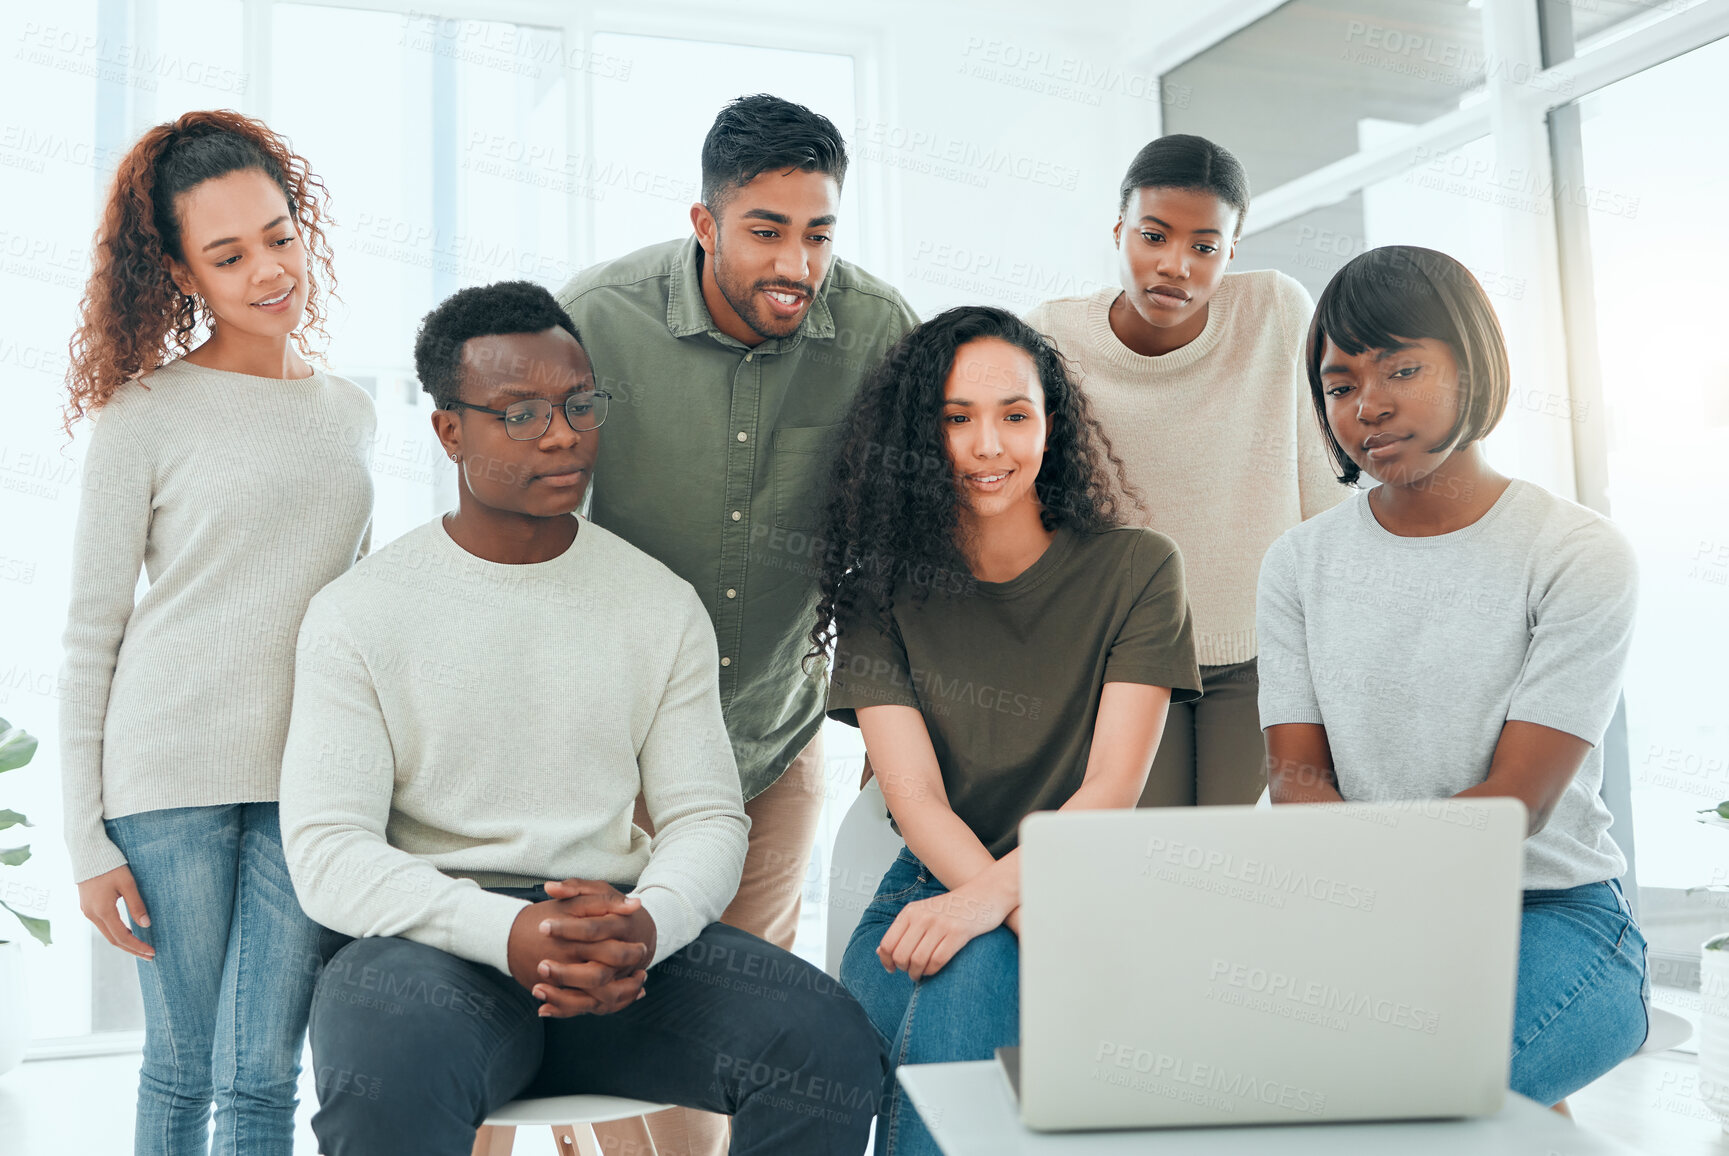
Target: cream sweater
(240, 497)
(461, 724)
(1219, 437)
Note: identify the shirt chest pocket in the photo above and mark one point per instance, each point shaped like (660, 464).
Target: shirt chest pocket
(800, 463)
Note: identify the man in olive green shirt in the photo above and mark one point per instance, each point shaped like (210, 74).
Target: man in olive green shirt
(732, 357)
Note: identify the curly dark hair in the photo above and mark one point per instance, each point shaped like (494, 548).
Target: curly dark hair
(133, 318)
(479, 311)
(893, 510)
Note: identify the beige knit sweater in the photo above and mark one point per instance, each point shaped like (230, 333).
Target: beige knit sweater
(461, 724)
(240, 497)
(1219, 437)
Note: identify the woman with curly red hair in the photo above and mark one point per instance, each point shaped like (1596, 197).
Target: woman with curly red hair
(235, 473)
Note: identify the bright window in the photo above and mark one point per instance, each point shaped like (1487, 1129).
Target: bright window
(1656, 253)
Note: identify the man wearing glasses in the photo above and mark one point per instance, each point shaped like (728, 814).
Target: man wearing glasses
(733, 356)
(477, 707)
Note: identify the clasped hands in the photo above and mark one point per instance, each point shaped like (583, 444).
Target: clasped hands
(927, 933)
(583, 951)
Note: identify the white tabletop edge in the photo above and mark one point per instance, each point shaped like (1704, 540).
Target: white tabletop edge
(970, 1110)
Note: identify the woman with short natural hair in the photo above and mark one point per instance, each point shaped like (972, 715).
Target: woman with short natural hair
(1456, 632)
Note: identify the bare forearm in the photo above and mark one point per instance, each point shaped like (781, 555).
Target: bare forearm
(1003, 877)
(1303, 784)
(1534, 764)
(1300, 765)
(1535, 816)
(944, 843)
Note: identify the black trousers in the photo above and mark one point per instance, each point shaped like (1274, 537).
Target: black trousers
(413, 1047)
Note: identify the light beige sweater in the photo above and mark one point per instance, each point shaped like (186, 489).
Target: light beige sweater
(461, 724)
(1219, 437)
(240, 497)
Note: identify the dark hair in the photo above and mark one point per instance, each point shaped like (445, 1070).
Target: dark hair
(133, 317)
(755, 134)
(1400, 293)
(1181, 161)
(479, 311)
(893, 509)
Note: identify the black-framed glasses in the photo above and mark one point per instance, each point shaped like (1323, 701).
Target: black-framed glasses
(527, 420)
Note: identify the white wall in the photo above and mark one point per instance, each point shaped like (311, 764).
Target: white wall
(1001, 147)
(988, 143)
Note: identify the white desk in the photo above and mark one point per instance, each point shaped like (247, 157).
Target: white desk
(971, 1111)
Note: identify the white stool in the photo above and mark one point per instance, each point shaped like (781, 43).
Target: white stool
(865, 847)
(572, 1119)
(1668, 1030)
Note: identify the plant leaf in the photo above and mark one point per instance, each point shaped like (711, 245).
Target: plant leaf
(35, 926)
(16, 748)
(13, 819)
(14, 856)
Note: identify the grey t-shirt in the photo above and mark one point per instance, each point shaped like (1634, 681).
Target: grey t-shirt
(1414, 652)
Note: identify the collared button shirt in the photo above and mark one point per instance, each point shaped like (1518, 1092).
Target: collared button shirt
(716, 457)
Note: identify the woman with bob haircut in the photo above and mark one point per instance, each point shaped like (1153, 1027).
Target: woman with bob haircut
(1455, 632)
(1004, 644)
(236, 475)
(1196, 375)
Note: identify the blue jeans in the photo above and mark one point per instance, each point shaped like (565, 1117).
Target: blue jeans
(226, 998)
(414, 1047)
(1580, 1007)
(963, 1012)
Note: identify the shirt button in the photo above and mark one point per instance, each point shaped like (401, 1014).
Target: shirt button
(736, 515)
(726, 662)
(732, 593)
(747, 356)
(741, 436)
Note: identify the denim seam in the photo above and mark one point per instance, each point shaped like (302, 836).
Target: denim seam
(901, 1057)
(1579, 988)
(167, 1014)
(922, 878)
(241, 943)
(893, 896)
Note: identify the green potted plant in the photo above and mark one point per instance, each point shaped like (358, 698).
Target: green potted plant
(16, 749)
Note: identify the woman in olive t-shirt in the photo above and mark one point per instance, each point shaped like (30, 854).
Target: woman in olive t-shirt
(1005, 645)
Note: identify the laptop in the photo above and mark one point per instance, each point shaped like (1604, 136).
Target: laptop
(1236, 965)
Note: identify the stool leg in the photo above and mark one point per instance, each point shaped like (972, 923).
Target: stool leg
(494, 1140)
(580, 1140)
(575, 1140)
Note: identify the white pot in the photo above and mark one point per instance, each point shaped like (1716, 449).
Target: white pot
(1714, 1027)
(14, 1008)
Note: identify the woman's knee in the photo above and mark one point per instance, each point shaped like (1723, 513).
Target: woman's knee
(968, 1008)
(189, 1084)
(993, 959)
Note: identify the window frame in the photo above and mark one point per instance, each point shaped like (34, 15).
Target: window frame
(877, 248)
(1521, 121)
